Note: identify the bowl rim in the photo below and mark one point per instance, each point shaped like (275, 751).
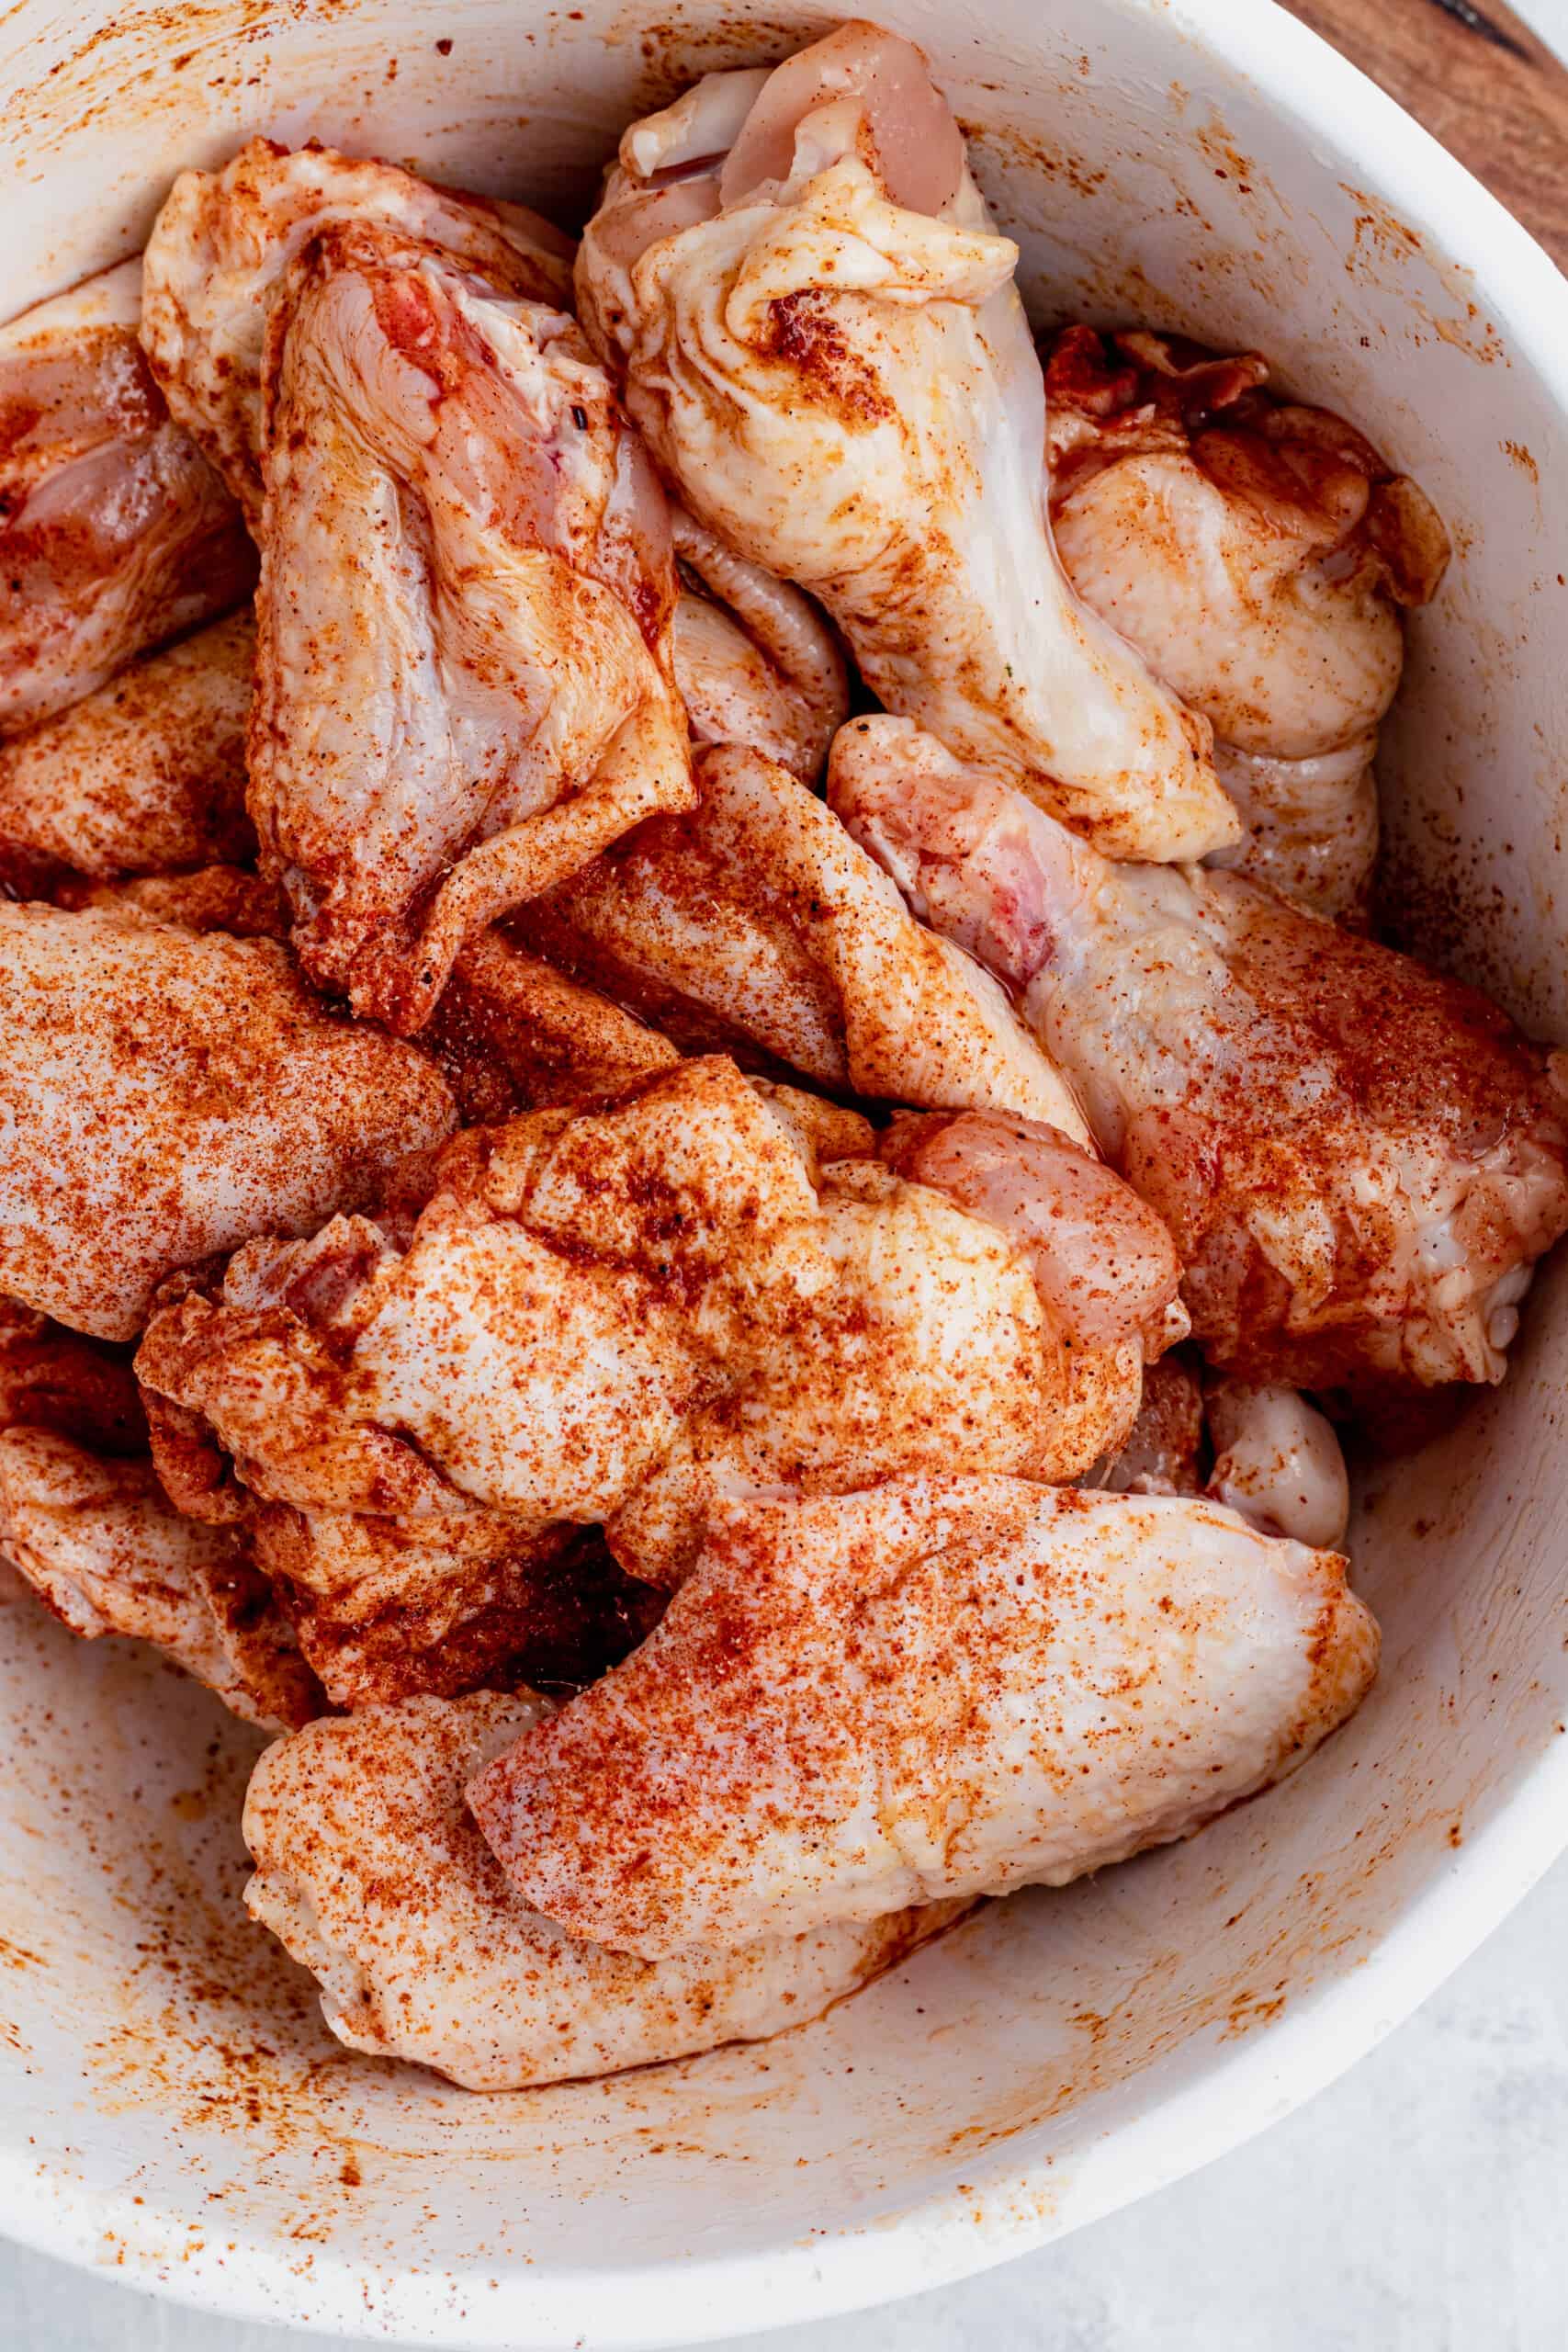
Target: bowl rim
(1007, 2207)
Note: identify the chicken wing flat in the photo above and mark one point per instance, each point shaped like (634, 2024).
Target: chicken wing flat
(1359, 1161)
(464, 689)
(166, 1096)
(144, 775)
(757, 926)
(823, 343)
(99, 1540)
(756, 661)
(937, 1689)
(221, 247)
(371, 1873)
(115, 532)
(1257, 553)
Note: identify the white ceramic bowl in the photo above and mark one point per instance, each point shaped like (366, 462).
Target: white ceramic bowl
(172, 2106)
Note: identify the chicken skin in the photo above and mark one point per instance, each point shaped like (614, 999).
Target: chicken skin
(1257, 553)
(99, 1541)
(115, 532)
(464, 683)
(142, 776)
(1359, 1161)
(755, 660)
(824, 346)
(756, 926)
(221, 248)
(166, 1097)
(369, 1869)
(938, 1689)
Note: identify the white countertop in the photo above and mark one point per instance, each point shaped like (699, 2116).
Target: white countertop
(1420, 2205)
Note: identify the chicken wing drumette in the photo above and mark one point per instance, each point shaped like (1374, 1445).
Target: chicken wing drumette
(823, 342)
(1359, 1161)
(933, 1689)
(1259, 554)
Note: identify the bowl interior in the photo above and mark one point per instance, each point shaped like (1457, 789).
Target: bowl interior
(172, 2102)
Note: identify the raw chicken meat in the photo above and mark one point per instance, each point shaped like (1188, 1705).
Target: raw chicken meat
(146, 774)
(756, 925)
(73, 1387)
(1359, 1161)
(1257, 554)
(370, 1870)
(942, 1688)
(755, 660)
(1272, 1456)
(211, 897)
(164, 1097)
(99, 1540)
(464, 689)
(1163, 1453)
(513, 1034)
(115, 532)
(221, 247)
(824, 345)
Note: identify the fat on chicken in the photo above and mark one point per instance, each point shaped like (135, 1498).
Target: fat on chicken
(370, 1870)
(164, 1096)
(934, 1689)
(822, 341)
(98, 1539)
(221, 248)
(463, 682)
(115, 532)
(756, 661)
(1358, 1159)
(1259, 554)
(756, 926)
(144, 775)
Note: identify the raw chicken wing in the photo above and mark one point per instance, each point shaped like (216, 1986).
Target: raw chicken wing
(145, 775)
(824, 345)
(221, 247)
(942, 1688)
(115, 532)
(513, 1034)
(757, 926)
(1359, 1161)
(1257, 553)
(1266, 1452)
(164, 1097)
(755, 660)
(370, 1870)
(464, 689)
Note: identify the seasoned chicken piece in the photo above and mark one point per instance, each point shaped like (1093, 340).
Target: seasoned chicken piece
(464, 689)
(1257, 553)
(514, 1034)
(166, 1097)
(938, 1689)
(221, 247)
(995, 1291)
(115, 532)
(824, 345)
(755, 660)
(212, 898)
(55, 1380)
(100, 1542)
(371, 1873)
(1164, 1452)
(1359, 1161)
(147, 773)
(756, 925)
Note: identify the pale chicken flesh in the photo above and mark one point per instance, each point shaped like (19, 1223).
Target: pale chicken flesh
(1359, 1161)
(938, 1690)
(164, 1096)
(221, 247)
(756, 926)
(823, 344)
(464, 689)
(1257, 553)
(115, 532)
(370, 1870)
(142, 776)
(755, 660)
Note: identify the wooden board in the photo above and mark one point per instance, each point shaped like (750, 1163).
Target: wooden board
(1480, 81)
